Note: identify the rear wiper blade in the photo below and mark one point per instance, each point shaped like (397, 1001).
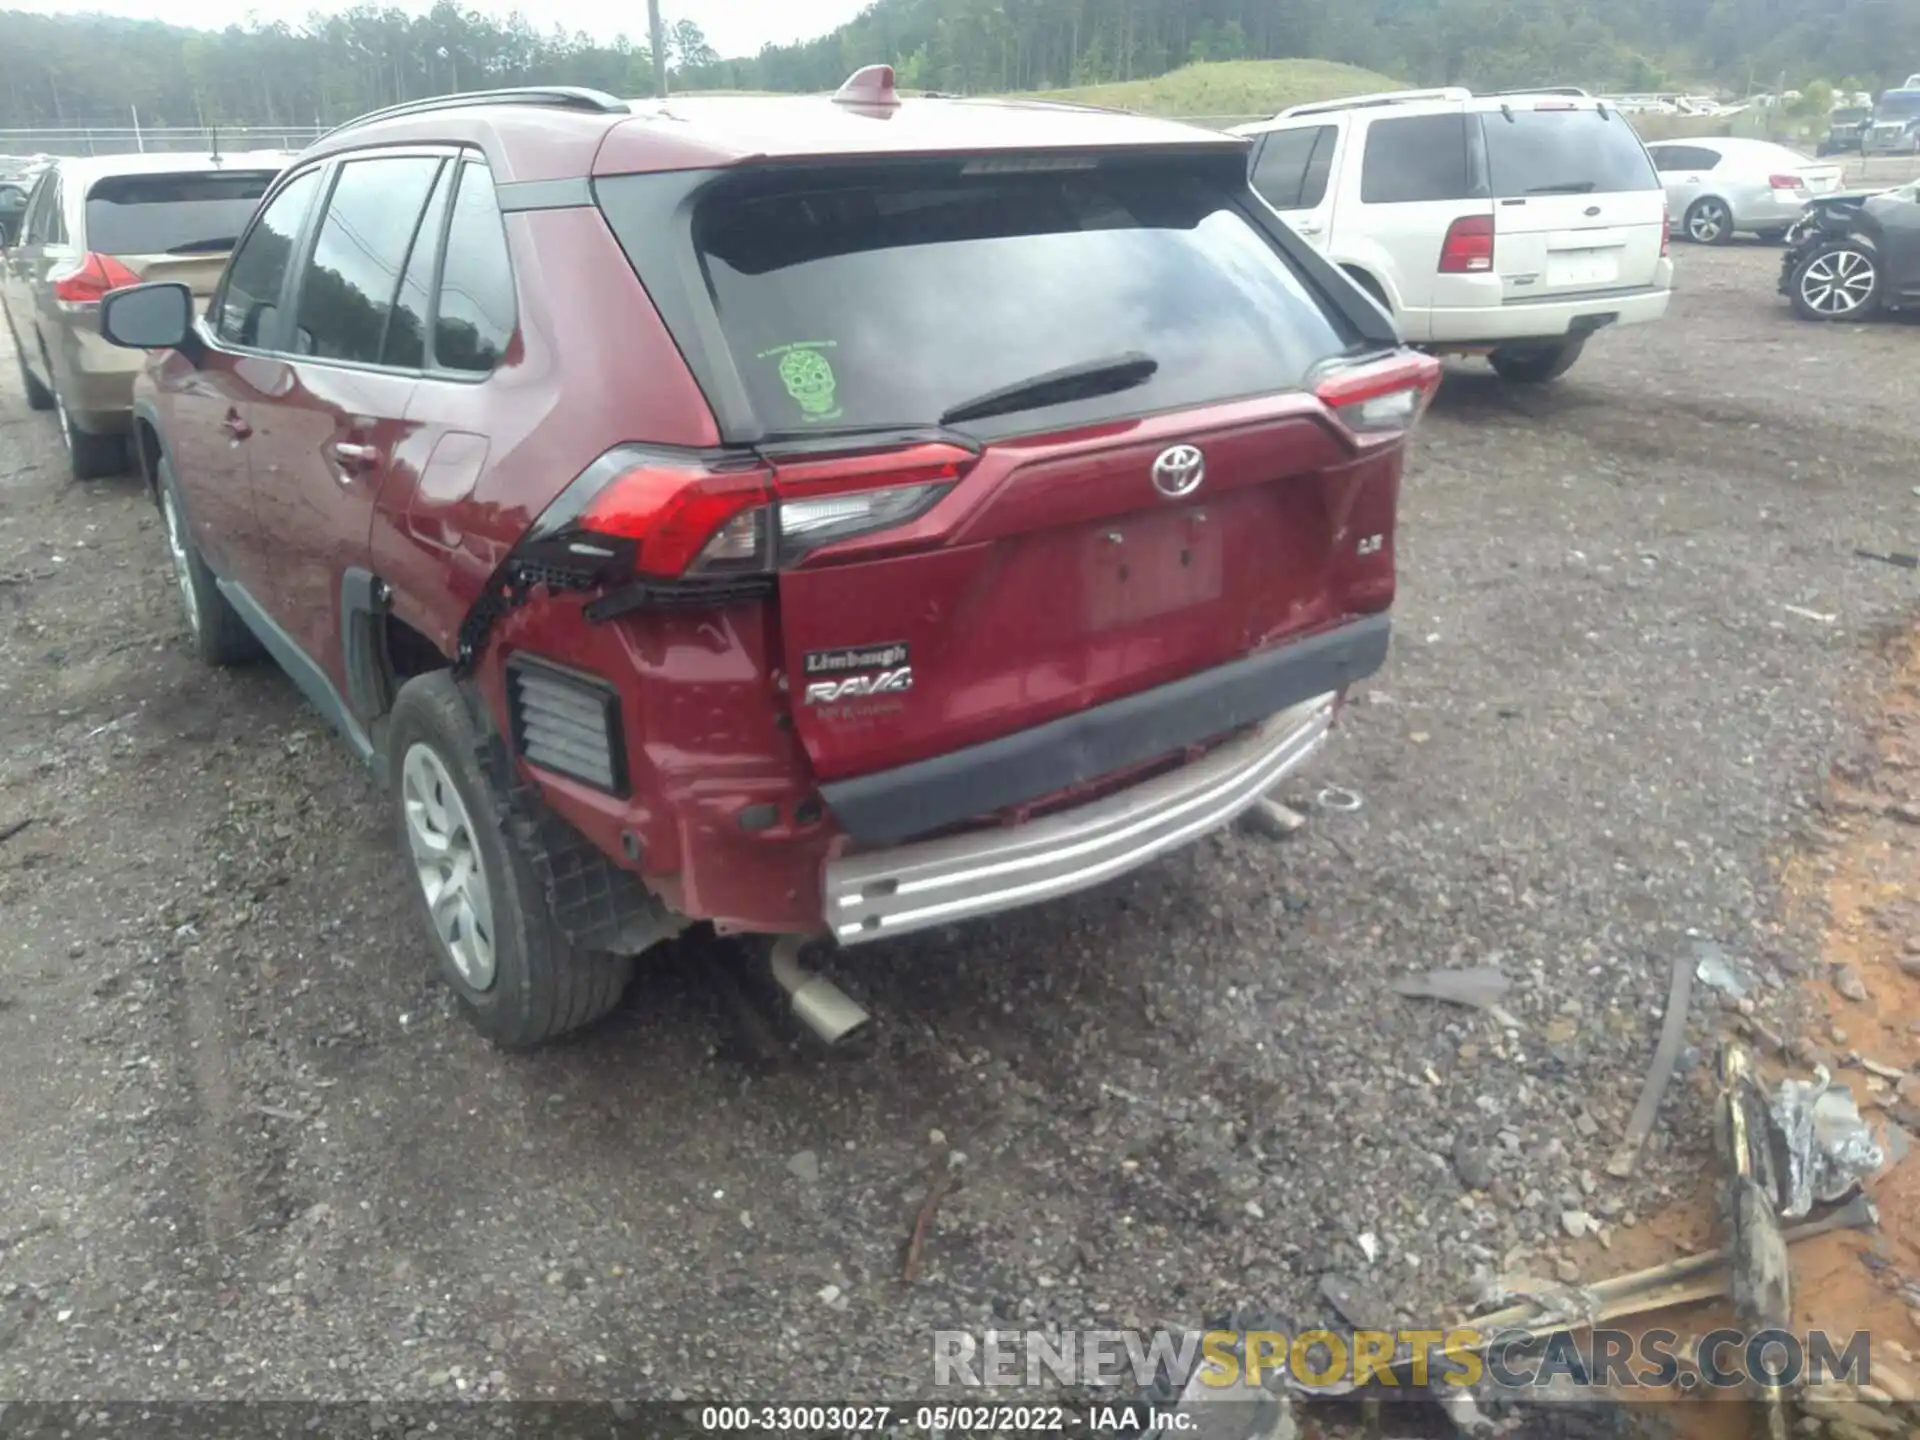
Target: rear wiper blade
(1073, 382)
(1565, 187)
(884, 436)
(196, 247)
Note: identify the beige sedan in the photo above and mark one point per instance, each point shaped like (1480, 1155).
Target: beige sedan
(96, 224)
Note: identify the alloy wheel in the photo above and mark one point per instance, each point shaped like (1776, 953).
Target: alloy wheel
(1837, 283)
(1708, 222)
(448, 863)
(177, 553)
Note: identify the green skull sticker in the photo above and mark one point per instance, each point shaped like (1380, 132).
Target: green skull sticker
(808, 377)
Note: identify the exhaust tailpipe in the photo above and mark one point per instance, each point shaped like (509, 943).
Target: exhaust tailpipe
(817, 1003)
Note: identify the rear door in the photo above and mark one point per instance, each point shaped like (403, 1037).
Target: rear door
(1103, 540)
(1683, 172)
(43, 245)
(1291, 169)
(1577, 205)
(324, 445)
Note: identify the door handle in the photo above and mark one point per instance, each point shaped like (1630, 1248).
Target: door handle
(1309, 227)
(355, 457)
(237, 426)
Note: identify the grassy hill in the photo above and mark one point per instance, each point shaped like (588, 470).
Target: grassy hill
(1242, 88)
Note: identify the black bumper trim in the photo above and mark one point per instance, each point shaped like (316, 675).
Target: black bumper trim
(929, 795)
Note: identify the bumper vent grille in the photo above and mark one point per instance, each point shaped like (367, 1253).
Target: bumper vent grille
(566, 722)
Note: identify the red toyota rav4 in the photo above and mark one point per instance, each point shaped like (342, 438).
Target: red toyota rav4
(823, 517)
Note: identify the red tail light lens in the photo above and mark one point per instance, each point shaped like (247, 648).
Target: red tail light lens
(1382, 399)
(686, 519)
(1468, 248)
(1786, 182)
(89, 283)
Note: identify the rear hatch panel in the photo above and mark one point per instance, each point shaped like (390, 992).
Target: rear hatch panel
(1577, 205)
(1054, 575)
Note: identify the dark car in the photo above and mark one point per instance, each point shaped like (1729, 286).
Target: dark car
(823, 517)
(1845, 130)
(1895, 127)
(1850, 256)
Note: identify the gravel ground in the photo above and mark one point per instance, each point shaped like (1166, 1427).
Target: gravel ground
(250, 1150)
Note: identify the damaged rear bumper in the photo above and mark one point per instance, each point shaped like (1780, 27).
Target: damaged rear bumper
(937, 882)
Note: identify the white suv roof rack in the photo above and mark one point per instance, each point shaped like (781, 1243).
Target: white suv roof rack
(1385, 97)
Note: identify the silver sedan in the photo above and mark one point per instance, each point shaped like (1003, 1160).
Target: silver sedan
(1717, 188)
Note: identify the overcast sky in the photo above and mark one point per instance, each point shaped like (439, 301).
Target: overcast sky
(734, 27)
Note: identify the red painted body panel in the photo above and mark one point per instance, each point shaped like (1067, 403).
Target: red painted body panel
(1051, 578)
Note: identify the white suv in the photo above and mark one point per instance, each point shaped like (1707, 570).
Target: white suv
(1511, 226)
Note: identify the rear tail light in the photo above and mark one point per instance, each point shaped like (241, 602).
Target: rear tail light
(1381, 399)
(667, 518)
(1468, 248)
(89, 282)
(1786, 182)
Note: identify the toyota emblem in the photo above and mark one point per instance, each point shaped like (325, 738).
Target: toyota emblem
(1179, 470)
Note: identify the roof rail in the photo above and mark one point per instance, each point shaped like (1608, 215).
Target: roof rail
(1387, 97)
(1573, 90)
(559, 97)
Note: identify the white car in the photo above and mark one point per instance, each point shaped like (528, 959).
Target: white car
(1719, 188)
(1512, 226)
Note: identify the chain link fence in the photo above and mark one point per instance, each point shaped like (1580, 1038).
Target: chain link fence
(157, 139)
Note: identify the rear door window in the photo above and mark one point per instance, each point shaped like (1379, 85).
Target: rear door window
(1291, 173)
(191, 214)
(894, 297)
(1563, 152)
(1416, 158)
(347, 289)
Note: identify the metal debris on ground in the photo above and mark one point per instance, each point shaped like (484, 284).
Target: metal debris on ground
(1829, 1148)
(1762, 1286)
(1481, 987)
(1338, 799)
(1898, 559)
(1806, 614)
(1666, 1053)
(1715, 968)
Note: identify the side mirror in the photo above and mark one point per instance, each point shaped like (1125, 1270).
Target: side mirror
(148, 317)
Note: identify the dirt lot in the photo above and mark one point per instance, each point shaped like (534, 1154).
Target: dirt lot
(250, 1150)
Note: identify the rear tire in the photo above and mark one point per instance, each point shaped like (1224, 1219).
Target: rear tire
(220, 636)
(39, 397)
(1535, 364)
(518, 979)
(1839, 280)
(1709, 222)
(89, 456)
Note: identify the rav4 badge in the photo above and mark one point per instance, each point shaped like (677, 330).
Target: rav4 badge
(885, 682)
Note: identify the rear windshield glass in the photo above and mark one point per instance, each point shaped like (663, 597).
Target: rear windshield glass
(1564, 152)
(874, 302)
(158, 214)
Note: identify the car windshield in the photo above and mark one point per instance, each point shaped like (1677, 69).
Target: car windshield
(1898, 105)
(1563, 152)
(895, 298)
(157, 214)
